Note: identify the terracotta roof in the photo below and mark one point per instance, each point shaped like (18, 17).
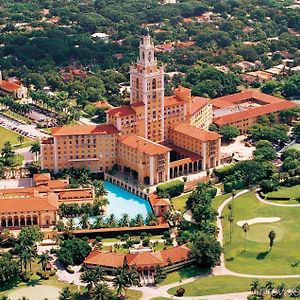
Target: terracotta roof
(42, 177)
(9, 86)
(197, 133)
(156, 201)
(139, 260)
(25, 204)
(175, 254)
(84, 129)
(198, 103)
(103, 104)
(143, 145)
(144, 259)
(108, 259)
(191, 155)
(121, 111)
(57, 184)
(186, 44)
(254, 112)
(75, 194)
(172, 100)
(261, 75)
(249, 94)
(219, 103)
(137, 104)
(12, 191)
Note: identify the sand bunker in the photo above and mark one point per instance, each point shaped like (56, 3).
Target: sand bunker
(258, 220)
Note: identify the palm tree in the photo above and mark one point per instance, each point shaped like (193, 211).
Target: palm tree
(84, 221)
(92, 277)
(71, 224)
(246, 228)
(119, 282)
(66, 294)
(99, 188)
(101, 292)
(132, 277)
(270, 286)
(271, 237)
(281, 289)
(44, 259)
(21, 139)
(255, 286)
(125, 220)
(35, 149)
(112, 222)
(139, 220)
(230, 219)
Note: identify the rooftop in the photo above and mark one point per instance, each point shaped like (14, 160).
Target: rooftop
(197, 133)
(254, 112)
(143, 145)
(198, 103)
(9, 86)
(84, 129)
(121, 111)
(25, 204)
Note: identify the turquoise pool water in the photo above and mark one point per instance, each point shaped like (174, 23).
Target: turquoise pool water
(121, 202)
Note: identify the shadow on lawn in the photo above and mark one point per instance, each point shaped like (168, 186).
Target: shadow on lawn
(34, 282)
(262, 255)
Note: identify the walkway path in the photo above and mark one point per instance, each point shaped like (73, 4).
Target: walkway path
(273, 203)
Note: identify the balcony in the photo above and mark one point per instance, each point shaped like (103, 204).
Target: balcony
(84, 159)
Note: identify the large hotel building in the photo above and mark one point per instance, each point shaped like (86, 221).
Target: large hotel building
(156, 137)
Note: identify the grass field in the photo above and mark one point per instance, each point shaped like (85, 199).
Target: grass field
(183, 273)
(179, 202)
(225, 284)
(257, 259)
(11, 136)
(293, 192)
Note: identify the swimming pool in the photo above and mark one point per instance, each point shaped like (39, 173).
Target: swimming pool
(121, 202)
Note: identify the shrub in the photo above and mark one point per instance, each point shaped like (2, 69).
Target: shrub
(25, 277)
(180, 292)
(221, 173)
(70, 270)
(146, 242)
(169, 241)
(173, 188)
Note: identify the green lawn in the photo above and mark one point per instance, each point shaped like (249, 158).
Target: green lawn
(183, 273)
(11, 136)
(293, 192)
(179, 202)
(284, 257)
(133, 295)
(225, 284)
(217, 201)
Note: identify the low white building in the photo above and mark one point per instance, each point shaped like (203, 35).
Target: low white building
(102, 36)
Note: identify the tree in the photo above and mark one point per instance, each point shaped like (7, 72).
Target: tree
(255, 287)
(66, 294)
(296, 132)
(229, 133)
(9, 269)
(206, 250)
(44, 259)
(271, 237)
(264, 151)
(245, 228)
(101, 292)
(270, 286)
(21, 139)
(230, 219)
(92, 277)
(35, 149)
(7, 153)
(84, 221)
(119, 281)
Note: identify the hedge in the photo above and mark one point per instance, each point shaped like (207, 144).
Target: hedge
(221, 173)
(172, 188)
(278, 198)
(234, 185)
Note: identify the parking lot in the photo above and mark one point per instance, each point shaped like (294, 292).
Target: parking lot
(26, 130)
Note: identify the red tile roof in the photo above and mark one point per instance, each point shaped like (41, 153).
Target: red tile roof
(121, 111)
(75, 194)
(14, 191)
(172, 100)
(156, 201)
(143, 145)
(25, 204)
(197, 133)
(57, 184)
(84, 129)
(198, 103)
(186, 44)
(9, 86)
(41, 177)
(137, 104)
(249, 94)
(254, 112)
(107, 259)
(139, 260)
